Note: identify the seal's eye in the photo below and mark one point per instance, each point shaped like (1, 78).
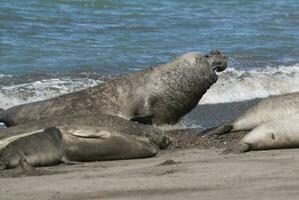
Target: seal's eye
(207, 56)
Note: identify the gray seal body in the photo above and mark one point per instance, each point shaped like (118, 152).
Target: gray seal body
(276, 134)
(88, 138)
(266, 110)
(41, 148)
(157, 95)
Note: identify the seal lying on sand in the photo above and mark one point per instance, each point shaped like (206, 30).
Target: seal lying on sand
(158, 95)
(36, 148)
(276, 134)
(268, 109)
(85, 138)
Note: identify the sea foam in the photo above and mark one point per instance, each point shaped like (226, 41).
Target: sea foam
(40, 90)
(238, 85)
(233, 85)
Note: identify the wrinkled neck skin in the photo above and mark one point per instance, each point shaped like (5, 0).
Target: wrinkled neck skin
(178, 86)
(182, 82)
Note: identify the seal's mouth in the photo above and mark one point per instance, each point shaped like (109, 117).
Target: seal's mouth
(220, 66)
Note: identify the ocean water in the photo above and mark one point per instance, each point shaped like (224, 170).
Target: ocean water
(48, 48)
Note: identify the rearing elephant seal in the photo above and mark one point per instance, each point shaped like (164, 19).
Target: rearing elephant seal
(268, 109)
(83, 138)
(156, 95)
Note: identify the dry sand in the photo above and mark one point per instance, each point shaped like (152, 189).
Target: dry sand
(193, 169)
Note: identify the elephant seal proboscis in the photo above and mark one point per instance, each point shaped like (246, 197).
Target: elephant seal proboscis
(268, 109)
(92, 138)
(276, 134)
(157, 95)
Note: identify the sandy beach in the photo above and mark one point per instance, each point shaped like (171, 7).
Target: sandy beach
(186, 174)
(193, 167)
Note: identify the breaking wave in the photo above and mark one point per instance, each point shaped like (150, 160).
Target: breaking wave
(43, 89)
(233, 85)
(239, 85)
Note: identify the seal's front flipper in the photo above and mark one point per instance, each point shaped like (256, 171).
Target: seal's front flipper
(143, 119)
(66, 161)
(218, 130)
(89, 133)
(237, 149)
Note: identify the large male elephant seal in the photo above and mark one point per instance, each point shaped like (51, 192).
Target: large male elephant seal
(268, 109)
(276, 134)
(158, 95)
(85, 138)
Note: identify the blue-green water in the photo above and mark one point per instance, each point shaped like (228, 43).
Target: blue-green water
(52, 47)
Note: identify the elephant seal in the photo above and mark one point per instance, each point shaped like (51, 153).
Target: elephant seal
(276, 134)
(157, 95)
(37, 148)
(268, 109)
(89, 138)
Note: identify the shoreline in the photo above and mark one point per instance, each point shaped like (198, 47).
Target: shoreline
(209, 115)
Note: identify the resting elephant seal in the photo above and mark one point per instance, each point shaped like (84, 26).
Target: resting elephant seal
(85, 138)
(268, 109)
(156, 95)
(37, 148)
(276, 134)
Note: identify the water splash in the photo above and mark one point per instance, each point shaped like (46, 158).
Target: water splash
(239, 85)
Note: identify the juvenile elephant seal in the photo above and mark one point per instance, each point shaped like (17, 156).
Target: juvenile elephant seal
(276, 134)
(156, 95)
(268, 109)
(37, 148)
(86, 138)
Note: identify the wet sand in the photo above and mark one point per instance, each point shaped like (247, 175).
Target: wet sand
(186, 174)
(193, 167)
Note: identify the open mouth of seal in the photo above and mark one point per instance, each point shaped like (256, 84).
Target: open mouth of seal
(220, 67)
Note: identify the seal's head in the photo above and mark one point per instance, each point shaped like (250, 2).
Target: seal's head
(217, 60)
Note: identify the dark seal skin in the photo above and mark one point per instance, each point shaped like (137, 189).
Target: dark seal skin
(37, 148)
(85, 138)
(157, 95)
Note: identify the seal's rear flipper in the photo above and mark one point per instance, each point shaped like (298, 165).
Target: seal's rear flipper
(1, 114)
(237, 149)
(218, 130)
(143, 119)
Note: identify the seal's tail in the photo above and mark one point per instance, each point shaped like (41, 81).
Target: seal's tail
(217, 130)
